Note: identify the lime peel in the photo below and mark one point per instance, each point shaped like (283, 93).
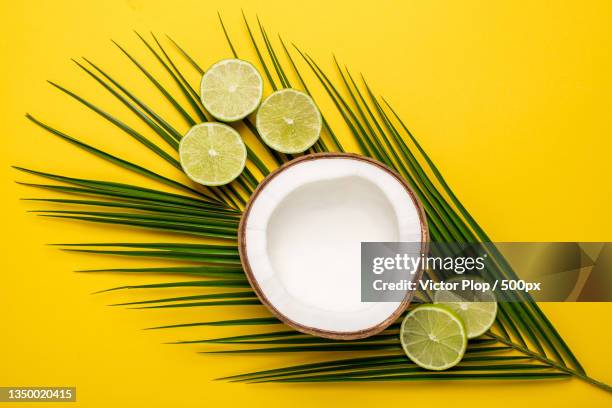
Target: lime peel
(289, 121)
(477, 309)
(212, 154)
(231, 89)
(433, 337)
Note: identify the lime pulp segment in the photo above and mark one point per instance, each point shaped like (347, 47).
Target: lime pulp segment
(433, 337)
(231, 89)
(476, 308)
(212, 154)
(289, 121)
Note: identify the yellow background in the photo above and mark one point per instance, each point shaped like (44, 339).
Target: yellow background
(511, 98)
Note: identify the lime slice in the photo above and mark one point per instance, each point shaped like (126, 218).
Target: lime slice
(212, 154)
(231, 89)
(289, 121)
(476, 308)
(433, 337)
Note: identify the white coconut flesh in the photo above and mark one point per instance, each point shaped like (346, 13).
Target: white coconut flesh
(301, 241)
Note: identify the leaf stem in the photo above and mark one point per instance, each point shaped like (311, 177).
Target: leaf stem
(552, 363)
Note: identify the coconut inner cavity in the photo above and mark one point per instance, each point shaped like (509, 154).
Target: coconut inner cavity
(314, 239)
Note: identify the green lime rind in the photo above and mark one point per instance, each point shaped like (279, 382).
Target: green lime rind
(289, 121)
(433, 337)
(212, 154)
(477, 309)
(231, 89)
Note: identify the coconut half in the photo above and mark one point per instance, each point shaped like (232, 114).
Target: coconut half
(300, 241)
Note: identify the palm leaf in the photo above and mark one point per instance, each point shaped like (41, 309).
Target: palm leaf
(149, 208)
(218, 272)
(121, 125)
(257, 321)
(140, 109)
(355, 364)
(225, 283)
(227, 295)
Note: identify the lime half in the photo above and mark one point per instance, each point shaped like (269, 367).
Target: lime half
(476, 308)
(433, 337)
(231, 89)
(289, 121)
(212, 154)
